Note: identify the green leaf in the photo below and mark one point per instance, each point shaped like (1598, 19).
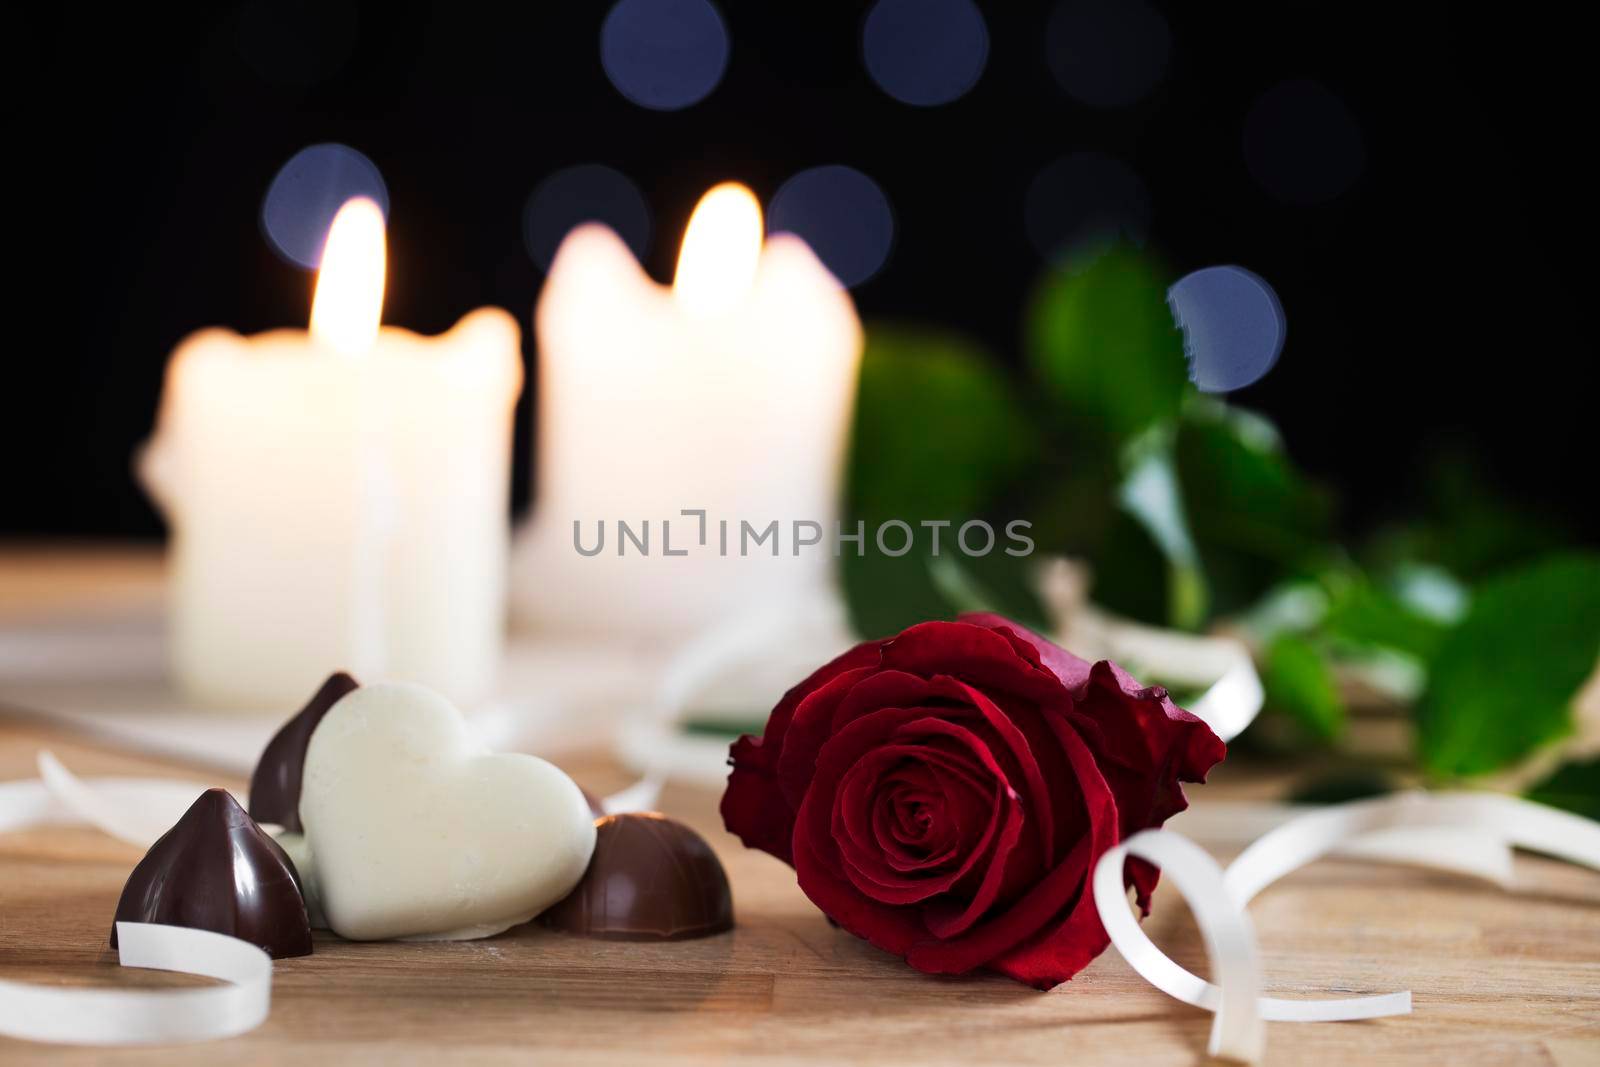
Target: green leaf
(997, 582)
(885, 594)
(939, 435)
(709, 725)
(1299, 683)
(1131, 576)
(1574, 787)
(1102, 341)
(1364, 614)
(1150, 494)
(1256, 518)
(1503, 681)
(938, 430)
(1467, 527)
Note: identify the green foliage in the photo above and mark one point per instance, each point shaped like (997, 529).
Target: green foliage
(1189, 511)
(939, 435)
(1467, 528)
(1254, 516)
(704, 724)
(1167, 498)
(1574, 787)
(1364, 614)
(996, 582)
(1299, 682)
(1102, 341)
(1502, 682)
(1131, 577)
(1150, 494)
(886, 594)
(938, 429)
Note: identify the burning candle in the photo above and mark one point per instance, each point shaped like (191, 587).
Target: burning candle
(691, 438)
(337, 498)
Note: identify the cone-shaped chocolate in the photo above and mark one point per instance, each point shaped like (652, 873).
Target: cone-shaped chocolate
(651, 879)
(217, 870)
(275, 785)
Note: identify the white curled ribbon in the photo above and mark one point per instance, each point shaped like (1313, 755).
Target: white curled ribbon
(135, 810)
(1419, 828)
(150, 1016)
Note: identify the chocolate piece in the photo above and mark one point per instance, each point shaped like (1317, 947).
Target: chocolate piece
(217, 870)
(651, 879)
(275, 785)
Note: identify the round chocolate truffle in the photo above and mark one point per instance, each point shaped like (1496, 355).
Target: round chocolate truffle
(651, 879)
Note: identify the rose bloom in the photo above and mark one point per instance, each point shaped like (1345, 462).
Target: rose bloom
(945, 793)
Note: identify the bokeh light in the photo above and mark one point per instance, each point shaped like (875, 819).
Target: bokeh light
(1233, 326)
(925, 52)
(588, 192)
(308, 191)
(664, 54)
(1303, 144)
(842, 214)
(1085, 198)
(1107, 53)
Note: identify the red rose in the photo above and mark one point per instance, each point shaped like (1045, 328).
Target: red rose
(946, 792)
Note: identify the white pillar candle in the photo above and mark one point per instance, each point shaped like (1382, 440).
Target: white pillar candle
(729, 393)
(337, 498)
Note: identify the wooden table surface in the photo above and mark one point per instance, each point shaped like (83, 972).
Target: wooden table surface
(1497, 978)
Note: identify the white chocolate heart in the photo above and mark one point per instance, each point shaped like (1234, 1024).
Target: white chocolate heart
(417, 831)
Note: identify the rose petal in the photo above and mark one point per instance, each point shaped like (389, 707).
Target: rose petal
(914, 827)
(1041, 808)
(866, 654)
(1069, 669)
(943, 783)
(986, 860)
(889, 688)
(1058, 954)
(1067, 812)
(1174, 739)
(1147, 745)
(753, 809)
(1053, 895)
(866, 864)
(975, 654)
(810, 727)
(894, 688)
(818, 865)
(947, 918)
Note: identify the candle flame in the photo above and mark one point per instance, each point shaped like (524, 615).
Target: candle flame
(349, 298)
(717, 264)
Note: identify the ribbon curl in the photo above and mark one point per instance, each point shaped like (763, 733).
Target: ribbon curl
(137, 811)
(1443, 830)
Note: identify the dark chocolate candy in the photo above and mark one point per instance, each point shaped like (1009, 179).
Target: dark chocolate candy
(217, 870)
(651, 879)
(275, 785)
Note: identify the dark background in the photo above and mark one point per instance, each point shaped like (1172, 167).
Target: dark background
(1441, 306)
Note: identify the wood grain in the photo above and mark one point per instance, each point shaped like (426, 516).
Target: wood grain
(1497, 978)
